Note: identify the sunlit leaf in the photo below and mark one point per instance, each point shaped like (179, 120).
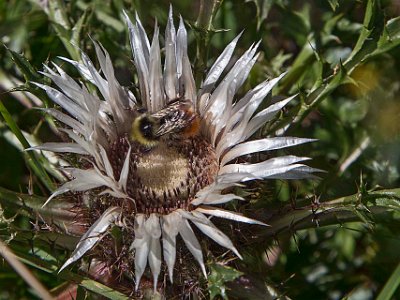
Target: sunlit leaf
(220, 274)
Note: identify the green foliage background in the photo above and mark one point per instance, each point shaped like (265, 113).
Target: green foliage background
(334, 238)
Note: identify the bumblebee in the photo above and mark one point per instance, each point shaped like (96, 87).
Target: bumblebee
(177, 120)
(144, 129)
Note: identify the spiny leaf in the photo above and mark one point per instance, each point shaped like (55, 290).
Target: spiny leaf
(58, 13)
(60, 213)
(390, 37)
(30, 75)
(76, 31)
(302, 63)
(24, 66)
(220, 274)
(367, 42)
(369, 208)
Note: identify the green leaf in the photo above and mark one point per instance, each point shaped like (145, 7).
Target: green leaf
(278, 61)
(263, 7)
(49, 161)
(331, 23)
(76, 30)
(62, 213)
(325, 89)
(33, 162)
(393, 28)
(390, 37)
(220, 274)
(352, 112)
(66, 38)
(391, 285)
(334, 4)
(372, 30)
(85, 282)
(57, 12)
(367, 43)
(299, 66)
(30, 75)
(110, 21)
(24, 66)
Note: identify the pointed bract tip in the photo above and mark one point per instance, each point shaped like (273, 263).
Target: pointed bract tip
(49, 199)
(257, 45)
(235, 40)
(137, 285)
(66, 264)
(29, 149)
(137, 18)
(155, 279)
(125, 14)
(203, 269)
(237, 253)
(181, 22)
(127, 19)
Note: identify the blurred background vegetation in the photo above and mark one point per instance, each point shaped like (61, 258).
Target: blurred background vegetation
(333, 238)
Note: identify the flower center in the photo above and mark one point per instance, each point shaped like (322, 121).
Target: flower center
(167, 176)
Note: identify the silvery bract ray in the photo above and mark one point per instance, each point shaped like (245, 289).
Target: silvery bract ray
(162, 179)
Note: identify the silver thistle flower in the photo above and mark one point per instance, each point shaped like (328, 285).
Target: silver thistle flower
(162, 175)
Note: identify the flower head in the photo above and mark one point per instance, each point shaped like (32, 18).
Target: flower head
(158, 165)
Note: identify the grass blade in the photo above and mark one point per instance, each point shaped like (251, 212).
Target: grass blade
(391, 285)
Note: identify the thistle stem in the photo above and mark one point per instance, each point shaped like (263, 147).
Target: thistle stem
(207, 11)
(359, 207)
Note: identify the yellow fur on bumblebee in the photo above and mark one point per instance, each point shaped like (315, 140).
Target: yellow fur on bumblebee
(143, 130)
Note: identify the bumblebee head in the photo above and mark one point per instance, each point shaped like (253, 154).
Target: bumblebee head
(144, 128)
